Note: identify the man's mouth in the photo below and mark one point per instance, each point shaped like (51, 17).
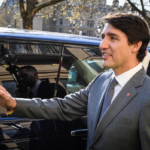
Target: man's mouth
(106, 55)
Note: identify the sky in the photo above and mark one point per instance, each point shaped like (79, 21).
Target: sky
(121, 2)
(1, 2)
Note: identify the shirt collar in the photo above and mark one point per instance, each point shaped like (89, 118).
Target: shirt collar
(123, 78)
(36, 86)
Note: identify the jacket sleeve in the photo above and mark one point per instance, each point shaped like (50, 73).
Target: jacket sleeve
(68, 108)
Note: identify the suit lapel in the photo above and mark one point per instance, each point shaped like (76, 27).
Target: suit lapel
(120, 102)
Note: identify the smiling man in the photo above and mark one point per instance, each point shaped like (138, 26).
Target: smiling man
(117, 51)
(117, 102)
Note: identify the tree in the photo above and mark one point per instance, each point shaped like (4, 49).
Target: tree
(28, 9)
(77, 16)
(142, 7)
(3, 20)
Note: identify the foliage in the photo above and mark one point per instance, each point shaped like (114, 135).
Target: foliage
(75, 12)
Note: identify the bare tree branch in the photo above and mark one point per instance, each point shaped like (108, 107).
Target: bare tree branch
(143, 9)
(134, 7)
(142, 4)
(45, 4)
(141, 12)
(31, 9)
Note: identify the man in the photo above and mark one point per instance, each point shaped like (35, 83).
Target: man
(125, 124)
(31, 86)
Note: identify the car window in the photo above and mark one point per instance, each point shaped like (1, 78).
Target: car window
(85, 64)
(72, 66)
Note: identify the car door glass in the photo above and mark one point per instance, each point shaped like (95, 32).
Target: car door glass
(86, 64)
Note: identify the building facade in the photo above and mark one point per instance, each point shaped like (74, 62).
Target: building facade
(88, 23)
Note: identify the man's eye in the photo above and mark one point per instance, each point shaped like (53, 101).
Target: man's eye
(113, 38)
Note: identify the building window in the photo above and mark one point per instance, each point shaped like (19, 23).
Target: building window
(90, 24)
(89, 33)
(61, 21)
(81, 23)
(91, 15)
(60, 30)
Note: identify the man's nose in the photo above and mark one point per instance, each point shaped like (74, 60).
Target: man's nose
(104, 44)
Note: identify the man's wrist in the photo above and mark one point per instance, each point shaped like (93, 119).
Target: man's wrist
(13, 104)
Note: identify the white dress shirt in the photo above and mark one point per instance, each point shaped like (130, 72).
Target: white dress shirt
(123, 78)
(35, 87)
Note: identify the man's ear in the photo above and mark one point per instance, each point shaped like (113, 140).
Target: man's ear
(36, 75)
(137, 46)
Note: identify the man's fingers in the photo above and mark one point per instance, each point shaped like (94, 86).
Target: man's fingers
(4, 95)
(6, 100)
(4, 90)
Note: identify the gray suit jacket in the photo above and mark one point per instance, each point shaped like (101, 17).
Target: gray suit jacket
(124, 126)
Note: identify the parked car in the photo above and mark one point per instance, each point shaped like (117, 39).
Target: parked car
(68, 60)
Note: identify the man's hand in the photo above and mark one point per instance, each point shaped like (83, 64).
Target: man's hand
(6, 100)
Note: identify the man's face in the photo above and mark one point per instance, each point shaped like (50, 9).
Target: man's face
(26, 78)
(117, 53)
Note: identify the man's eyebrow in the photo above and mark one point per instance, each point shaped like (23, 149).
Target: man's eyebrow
(112, 34)
(109, 34)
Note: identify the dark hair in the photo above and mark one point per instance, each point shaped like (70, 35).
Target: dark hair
(135, 28)
(29, 68)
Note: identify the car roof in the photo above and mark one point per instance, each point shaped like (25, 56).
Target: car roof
(12, 33)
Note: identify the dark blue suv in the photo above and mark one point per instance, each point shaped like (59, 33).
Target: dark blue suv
(68, 60)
